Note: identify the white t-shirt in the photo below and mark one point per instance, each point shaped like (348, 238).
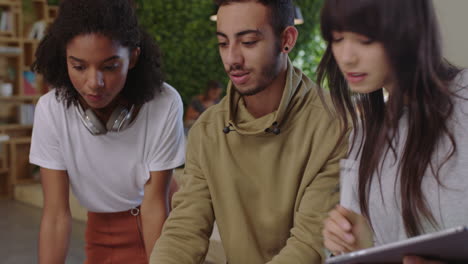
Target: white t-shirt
(108, 172)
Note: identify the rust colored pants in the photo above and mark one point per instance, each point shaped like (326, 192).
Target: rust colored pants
(115, 238)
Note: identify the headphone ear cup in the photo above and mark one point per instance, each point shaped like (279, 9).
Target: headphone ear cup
(118, 118)
(94, 120)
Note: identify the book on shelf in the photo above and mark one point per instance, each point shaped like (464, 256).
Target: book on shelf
(26, 114)
(6, 22)
(3, 138)
(10, 50)
(38, 30)
(30, 83)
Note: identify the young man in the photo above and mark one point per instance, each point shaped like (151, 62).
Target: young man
(264, 162)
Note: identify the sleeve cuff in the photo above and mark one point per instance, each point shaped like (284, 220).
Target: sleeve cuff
(166, 165)
(46, 164)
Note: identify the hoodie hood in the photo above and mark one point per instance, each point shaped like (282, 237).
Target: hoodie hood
(297, 85)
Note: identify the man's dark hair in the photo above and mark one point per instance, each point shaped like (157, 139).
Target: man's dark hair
(281, 12)
(115, 19)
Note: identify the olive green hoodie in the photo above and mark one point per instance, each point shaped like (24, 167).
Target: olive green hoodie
(269, 182)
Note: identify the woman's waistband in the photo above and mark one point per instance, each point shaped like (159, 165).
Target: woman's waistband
(135, 211)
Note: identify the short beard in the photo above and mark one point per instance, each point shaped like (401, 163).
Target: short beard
(253, 91)
(268, 73)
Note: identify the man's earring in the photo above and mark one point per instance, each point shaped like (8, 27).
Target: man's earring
(286, 48)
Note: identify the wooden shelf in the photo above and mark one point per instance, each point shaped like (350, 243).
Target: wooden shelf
(20, 140)
(18, 133)
(10, 54)
(20, 98)
(6, 33)
(13, 127)
(4, 190)
(9, 3)
(31, 41)
(53, 12)
(14, 40)
(17, 147)
(4, 127)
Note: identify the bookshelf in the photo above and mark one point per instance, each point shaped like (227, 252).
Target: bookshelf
(22, 24)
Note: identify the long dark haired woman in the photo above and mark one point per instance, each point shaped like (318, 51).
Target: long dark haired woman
(110, 128)
(406, 172)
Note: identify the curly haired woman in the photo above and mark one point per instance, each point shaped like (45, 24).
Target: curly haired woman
(110, 128)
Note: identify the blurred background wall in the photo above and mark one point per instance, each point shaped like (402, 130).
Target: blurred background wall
(453, 19)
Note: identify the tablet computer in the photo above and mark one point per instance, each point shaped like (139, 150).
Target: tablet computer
(450, 245)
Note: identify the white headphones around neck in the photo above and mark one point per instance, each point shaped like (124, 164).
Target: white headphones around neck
(120, 119)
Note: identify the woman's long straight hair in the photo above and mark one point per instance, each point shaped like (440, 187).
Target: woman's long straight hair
(409, 33)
